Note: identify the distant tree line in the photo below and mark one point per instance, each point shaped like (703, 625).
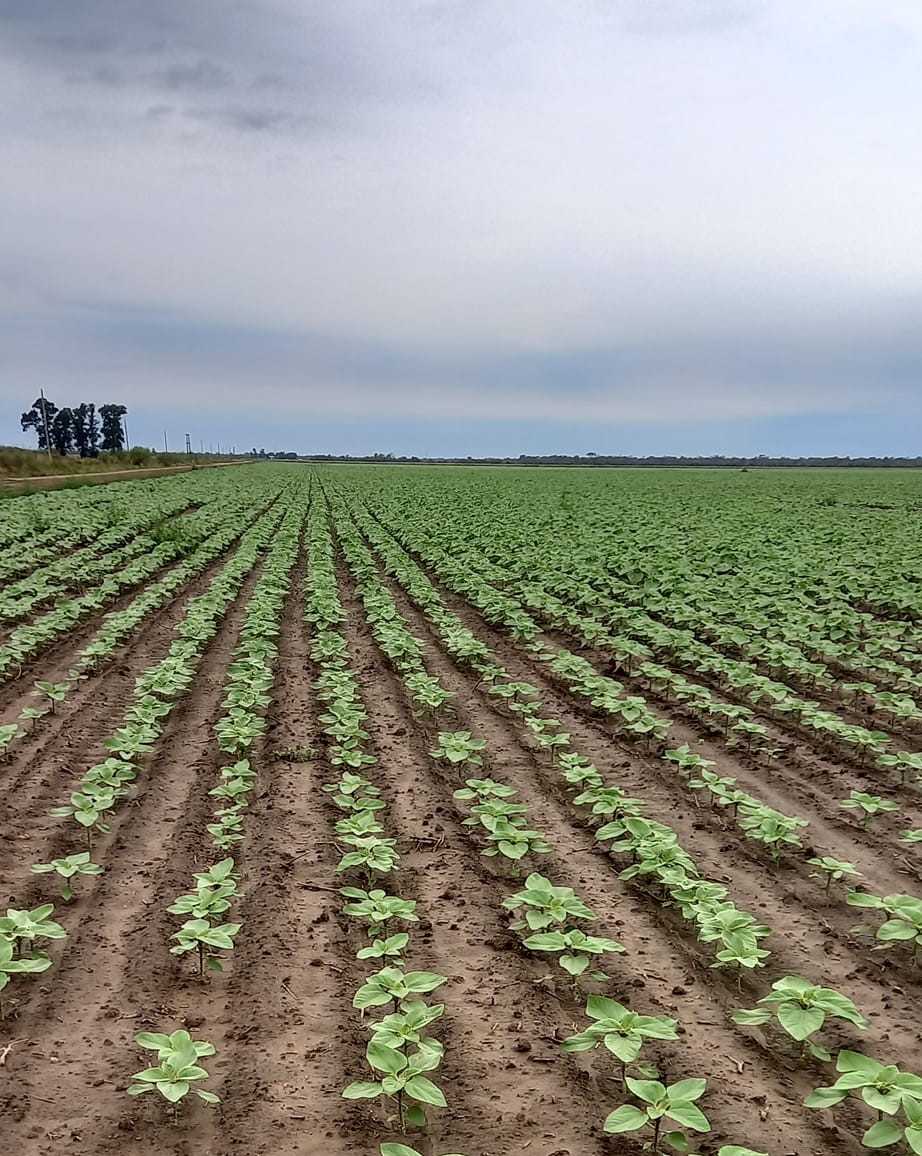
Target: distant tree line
(716, 461)
(82, 429)
(275, 455)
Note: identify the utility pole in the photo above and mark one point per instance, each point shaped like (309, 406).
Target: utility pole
(41, 394)
(125, 424)
(166, 448)
(188, 445)
(201, 445)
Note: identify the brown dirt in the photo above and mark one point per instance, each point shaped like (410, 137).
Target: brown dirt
(280, 1015)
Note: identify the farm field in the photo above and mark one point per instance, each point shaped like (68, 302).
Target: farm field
(548, 812)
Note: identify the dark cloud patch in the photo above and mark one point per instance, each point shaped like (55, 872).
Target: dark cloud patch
(202, 76)
(317, 56)
(253, 119)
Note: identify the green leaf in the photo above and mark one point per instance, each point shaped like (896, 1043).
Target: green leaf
(414, 1116)
(847, 1061)
(882, 1134)
(751, 1017)
(648, 1090)
(423, 980)
(362, 1090)
(173, 1090)
(888, 1102)
(689, 1116)
(626, 1048)
(423, 1089)
(627, 1118)
(825, 1097)
(152, 1040)
(573, 964)
(385, 1059)
(686, 1090)
(800, 1022)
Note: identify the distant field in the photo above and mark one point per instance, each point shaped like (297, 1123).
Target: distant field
(691, 701)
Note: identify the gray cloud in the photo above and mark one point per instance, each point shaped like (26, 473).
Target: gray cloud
(625, 210)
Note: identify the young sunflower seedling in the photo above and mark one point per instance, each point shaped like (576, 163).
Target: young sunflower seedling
(392, 985)
(8, 734)
(28, 926)
(374, 854)
(67, 868)
(378, 908)
(199, 935)
(511, 841)
(574, 948)
(390, 948)
(801, 1009)
(546, 904)
(904, 924)
(207, 900)
(888, 1131)
(660, 1103)
(133, 741)
(906, 762)
(88, 809)
(217, 874)
(11, 964)
(31, 714)
(115, 774)
(869, 806)
(401, 1075)
(834, 870)
(458, 749)
(620, 1030)
(54, 692)
(883, 1087)
(407, 1026)
(178, 1069)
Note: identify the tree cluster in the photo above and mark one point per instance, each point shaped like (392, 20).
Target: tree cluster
(82, 429)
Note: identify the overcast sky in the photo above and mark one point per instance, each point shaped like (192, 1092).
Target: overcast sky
(467, 226)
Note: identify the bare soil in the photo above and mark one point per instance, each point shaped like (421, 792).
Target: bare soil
(280, 1015)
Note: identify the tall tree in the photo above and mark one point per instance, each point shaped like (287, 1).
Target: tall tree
(81, 430)
(62, 431)
(34, 419)
(92, 431)
(113, 434)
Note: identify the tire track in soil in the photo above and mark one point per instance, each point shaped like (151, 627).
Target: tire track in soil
(823, 931)
(504, 1081)
(551, 812)
(290, 1043)
(116, 976)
